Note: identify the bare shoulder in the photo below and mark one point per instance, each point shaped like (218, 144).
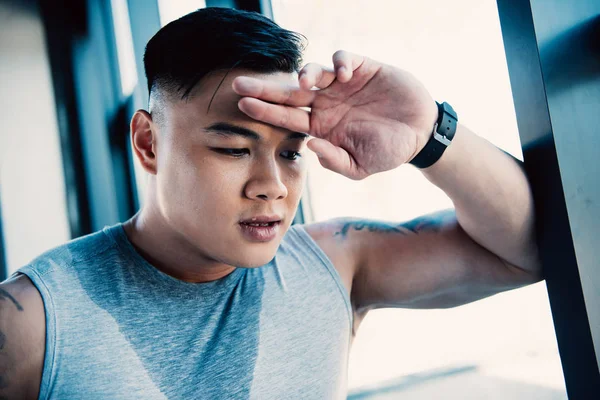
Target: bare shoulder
(345, 248)
(22, 339)
(343, 253)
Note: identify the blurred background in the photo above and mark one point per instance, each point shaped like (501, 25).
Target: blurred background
(66, 173)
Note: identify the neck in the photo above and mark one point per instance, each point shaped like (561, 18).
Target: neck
(168, 251)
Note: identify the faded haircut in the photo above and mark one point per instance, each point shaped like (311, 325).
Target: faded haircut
(183, 52)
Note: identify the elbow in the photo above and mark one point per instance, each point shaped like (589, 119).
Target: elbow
(527, 274)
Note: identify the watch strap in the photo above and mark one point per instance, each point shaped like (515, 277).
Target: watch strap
(443, 133)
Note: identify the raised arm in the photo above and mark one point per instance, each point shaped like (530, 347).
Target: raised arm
(487, 245)
(483, 247)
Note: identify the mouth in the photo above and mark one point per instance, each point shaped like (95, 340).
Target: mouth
(260, 228)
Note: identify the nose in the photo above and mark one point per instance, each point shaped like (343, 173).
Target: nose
(265, 183)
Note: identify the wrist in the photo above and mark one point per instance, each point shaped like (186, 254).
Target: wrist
(450, 162)
(440, 138)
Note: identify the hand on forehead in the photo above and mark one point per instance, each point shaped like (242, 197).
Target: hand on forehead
(213, 100)
(215, 95)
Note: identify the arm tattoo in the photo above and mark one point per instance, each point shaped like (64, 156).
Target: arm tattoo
(427, 223)
(371, 226)
(431, 222)
(5, 295)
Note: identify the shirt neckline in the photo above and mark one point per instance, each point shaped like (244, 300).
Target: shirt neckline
(118, 236)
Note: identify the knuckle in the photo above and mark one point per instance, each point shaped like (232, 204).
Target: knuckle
(284, 117)
(261, 90)
(260, 113)
(287, 95)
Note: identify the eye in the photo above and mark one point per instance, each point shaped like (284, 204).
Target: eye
(237, 153)
(291, 155)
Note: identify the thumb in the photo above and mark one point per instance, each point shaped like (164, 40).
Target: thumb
(333, 157)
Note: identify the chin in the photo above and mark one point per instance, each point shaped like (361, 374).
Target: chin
(256, 257)
(254, 262)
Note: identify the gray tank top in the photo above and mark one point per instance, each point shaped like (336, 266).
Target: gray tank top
(118, 328)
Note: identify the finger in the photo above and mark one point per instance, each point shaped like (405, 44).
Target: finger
(274, 92)
(291, 118)
(345, 63)
(313, 74)
(333, 157)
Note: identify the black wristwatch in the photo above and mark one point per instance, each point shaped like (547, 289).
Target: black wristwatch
(443, 133)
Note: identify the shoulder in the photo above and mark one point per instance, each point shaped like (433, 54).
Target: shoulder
(22, 338)
(345, 240)
(71, 253)
(345, 246)
(342, 250)
(82, 247)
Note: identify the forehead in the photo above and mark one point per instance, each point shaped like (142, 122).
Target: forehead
(213, 98)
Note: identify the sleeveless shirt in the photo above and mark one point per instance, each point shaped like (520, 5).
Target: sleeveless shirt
(118, 328)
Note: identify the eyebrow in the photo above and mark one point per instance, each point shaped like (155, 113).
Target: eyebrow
(227, 129)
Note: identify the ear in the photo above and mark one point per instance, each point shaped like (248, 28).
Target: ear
(143, 140)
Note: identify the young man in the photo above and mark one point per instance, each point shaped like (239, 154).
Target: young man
(208, 292)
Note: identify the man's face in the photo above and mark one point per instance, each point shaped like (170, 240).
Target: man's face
(227, 184)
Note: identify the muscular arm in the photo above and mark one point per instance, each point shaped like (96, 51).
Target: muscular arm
(484, 246)
(22, 335)
(429, 262)
(492, 198)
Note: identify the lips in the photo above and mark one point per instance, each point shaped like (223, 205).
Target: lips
(258, 223)
(261, 219)
(260, 228)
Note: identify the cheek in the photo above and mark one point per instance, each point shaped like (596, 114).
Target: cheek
(194, 182)
(218, 187)
(295, 182)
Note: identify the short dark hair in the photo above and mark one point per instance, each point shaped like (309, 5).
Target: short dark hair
(181, 53)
